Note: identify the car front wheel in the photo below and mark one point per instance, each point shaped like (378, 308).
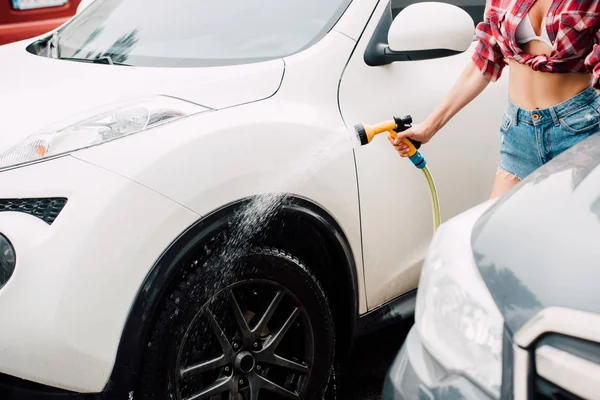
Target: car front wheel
(264, 332)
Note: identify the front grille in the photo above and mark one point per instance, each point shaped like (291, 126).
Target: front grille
(46, 209)
(545, 390)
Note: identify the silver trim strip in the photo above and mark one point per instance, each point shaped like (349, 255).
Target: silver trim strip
(574, 374)
(520, 373)
(566, 321)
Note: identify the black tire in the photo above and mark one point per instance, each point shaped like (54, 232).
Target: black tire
(186, 358)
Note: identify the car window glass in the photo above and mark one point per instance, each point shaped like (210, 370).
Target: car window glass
(475, 8)
(197, 32)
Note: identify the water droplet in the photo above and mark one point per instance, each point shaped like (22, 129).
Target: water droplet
(254, 218)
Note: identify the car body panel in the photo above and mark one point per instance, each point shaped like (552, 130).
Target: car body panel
(16, 25)
(550, 224)
(395, 200)
(272, 145)
(415, 374)
(418, 370)
(174, 166)
(72, 88)
(99, 248)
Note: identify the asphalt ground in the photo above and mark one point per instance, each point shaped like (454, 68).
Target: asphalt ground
(362, 376)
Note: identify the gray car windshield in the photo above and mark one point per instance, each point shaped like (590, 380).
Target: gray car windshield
(184, 33)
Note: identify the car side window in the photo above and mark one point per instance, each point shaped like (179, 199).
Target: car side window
(475, 8)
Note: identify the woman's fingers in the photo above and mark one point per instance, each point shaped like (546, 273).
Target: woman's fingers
(417, 132)
(400, 147)
(407, 133)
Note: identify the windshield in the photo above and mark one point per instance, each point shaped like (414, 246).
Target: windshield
(183, 33)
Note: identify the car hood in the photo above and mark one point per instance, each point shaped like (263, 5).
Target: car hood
(36, 92)
(538, 245)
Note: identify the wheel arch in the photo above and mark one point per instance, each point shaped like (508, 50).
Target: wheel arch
(324, 248)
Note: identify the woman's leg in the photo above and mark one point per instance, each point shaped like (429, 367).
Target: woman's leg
(503, 183)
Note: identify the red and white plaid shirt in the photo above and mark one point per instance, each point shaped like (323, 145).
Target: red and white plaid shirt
(572, 27)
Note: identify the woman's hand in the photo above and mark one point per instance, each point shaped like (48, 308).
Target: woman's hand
(418, 132)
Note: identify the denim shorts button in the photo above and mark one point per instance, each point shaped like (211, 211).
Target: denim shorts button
(536, 117)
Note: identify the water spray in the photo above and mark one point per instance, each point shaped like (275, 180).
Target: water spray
(366, 133)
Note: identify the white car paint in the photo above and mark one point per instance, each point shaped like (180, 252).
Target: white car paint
(394, 198)
(71, 88)
(57, 327)
(260, 140)
(269, 114)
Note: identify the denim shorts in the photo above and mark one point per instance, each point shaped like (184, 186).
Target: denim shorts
(531, 138)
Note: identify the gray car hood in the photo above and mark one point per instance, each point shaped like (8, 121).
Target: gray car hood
(538, 246)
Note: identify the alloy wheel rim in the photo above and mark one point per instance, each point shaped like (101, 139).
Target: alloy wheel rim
(251, 341)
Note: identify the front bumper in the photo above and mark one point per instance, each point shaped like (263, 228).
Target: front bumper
(63, 310)
(415, 374)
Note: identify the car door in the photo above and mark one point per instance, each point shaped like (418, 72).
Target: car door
(396, 216)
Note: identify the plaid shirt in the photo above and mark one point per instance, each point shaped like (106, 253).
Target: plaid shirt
(572, 27)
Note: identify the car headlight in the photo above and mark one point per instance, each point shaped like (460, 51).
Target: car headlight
(456, 317)
(7, 260)
(102, 126)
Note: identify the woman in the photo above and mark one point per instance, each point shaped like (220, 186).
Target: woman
(551, 49)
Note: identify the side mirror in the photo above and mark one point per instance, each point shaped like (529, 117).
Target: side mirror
(431, 26)
(421, 31)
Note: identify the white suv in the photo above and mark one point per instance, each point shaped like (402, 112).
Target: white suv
(134, 138)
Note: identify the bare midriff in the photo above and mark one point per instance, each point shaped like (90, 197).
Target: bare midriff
(531, 89)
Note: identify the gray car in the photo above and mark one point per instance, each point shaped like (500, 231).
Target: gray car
(508, 304)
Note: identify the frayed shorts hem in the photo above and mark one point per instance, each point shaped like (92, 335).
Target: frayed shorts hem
(509, 171)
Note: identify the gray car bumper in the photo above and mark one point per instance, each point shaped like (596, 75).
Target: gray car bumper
(416, 375)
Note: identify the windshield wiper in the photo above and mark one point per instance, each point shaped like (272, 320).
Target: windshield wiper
(99, 60)
(55, 53)
(53, 45)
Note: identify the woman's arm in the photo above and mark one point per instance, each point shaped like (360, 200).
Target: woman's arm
(470, 83)
(467, 87)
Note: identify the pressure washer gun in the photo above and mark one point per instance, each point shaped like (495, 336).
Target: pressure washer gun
(366, 133)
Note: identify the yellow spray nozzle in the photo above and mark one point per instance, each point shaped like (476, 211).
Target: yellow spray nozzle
(366, 132)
